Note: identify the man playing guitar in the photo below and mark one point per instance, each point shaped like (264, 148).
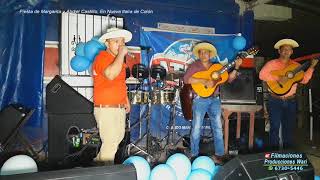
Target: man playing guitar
(202, 105)
(282, 107)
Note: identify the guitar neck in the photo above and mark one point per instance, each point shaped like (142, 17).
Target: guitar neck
(227, 67)
(303, 67)
(251, 51)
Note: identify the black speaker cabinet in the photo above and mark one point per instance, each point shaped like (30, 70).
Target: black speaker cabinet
(12, 118)
(63, 99)
(242, 90)
(117, 172)
(60, 126)
(252, 167)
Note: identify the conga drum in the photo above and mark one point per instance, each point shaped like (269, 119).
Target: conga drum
(186, 98)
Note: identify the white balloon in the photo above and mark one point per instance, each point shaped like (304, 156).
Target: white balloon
(19, 164)
(180, 164)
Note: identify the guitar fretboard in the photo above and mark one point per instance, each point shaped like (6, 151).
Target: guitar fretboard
(230, 65)
(303, 67)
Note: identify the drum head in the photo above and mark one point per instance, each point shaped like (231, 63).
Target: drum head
(157, 69)
(140, 71)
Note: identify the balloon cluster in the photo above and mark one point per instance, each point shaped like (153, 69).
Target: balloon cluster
(85, 54)
(177, 167)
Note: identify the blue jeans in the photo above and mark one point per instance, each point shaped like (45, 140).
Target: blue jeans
(282, 112)
(212, 106)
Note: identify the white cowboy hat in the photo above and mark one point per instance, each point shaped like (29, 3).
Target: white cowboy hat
(116, 33)
(206, 46)
(289, 42)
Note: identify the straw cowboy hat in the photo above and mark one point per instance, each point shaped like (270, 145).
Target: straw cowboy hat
(289, 42)
(116, 33)
(206, 46)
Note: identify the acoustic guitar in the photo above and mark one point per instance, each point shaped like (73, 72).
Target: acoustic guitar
(293, 72)
(218, 74)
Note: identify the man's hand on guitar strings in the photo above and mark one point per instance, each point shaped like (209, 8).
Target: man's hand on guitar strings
(238, 62)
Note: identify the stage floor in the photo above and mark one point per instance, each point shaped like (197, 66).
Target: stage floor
(37, 138)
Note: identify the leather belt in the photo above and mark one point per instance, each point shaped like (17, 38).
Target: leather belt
(283, 98)
(212, 96)
(110, 106)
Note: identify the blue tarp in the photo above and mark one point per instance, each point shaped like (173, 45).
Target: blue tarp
(22, 38)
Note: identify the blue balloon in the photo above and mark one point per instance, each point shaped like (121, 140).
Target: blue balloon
(180, 164)
(163, 172)
(80, 63)
(203, 162)
(92, 48)
(239, 43)
(96, 38)
(80, 49)
(260, 143)
(200, 174)
(142, 167)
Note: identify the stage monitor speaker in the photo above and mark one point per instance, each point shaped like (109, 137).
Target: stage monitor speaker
(11, 118)
(117, 172)
(252, 167)
(60, 125)
(63, 99)
(242, 90)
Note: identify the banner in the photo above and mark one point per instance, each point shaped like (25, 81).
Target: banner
(173, 51)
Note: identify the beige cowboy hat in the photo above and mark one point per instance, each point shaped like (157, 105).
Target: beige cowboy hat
(206, 46)
(289, 42)
(116, 33)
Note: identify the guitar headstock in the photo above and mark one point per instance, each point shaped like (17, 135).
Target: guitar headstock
(248, 52)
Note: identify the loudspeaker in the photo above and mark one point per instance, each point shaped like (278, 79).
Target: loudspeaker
(252, 167)
(242, 90)
(117, 172)
(63, 99)
(60, 125)
(11, 118)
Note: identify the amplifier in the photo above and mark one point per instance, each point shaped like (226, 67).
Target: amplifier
(245, 89)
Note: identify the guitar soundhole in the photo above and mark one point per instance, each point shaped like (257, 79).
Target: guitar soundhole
(215, 76)
(289, 75)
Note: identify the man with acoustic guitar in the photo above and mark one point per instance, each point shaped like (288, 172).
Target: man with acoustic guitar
(209, 104)
(282, 75)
